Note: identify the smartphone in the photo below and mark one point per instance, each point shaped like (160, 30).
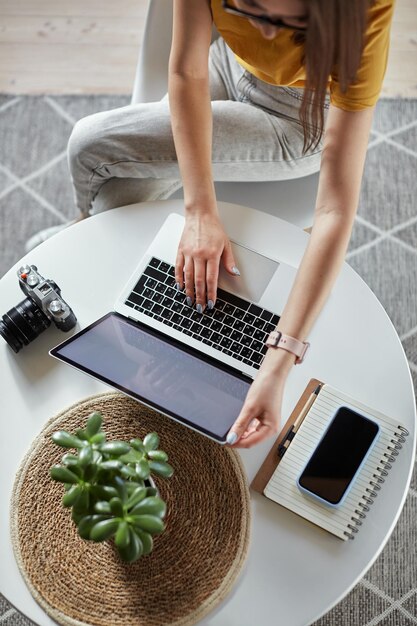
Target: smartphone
(338, 457)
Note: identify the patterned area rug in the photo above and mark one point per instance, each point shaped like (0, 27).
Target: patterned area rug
(35, 192)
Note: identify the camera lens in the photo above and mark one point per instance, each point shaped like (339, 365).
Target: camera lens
(22, 324)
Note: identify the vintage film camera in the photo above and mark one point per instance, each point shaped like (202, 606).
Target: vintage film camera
(42, 306)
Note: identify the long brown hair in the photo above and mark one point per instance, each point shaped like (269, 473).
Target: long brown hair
(333, 44)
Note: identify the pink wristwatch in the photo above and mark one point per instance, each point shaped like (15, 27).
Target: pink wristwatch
(277, 340)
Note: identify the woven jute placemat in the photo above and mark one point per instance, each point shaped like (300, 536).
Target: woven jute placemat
(194, 563)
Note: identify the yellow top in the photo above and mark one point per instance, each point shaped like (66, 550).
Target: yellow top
(278, 61)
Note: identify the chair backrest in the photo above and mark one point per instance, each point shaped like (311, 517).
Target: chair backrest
(152, 70)
(151, 80)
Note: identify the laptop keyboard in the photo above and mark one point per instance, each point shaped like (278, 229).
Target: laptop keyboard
(235, 326)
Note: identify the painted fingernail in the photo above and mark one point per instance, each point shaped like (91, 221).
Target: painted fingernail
(199, 308)
(231, 438)
(189, 300)
(177, 286)
(210, 304)
(235, 271)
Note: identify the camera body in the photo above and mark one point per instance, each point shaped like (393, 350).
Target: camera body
(42, 306)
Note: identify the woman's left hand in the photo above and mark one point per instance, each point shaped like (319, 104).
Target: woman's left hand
(260, 416)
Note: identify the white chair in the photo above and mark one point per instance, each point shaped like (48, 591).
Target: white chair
(292, 200)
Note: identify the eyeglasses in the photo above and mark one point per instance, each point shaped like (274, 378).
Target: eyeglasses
(264, 19)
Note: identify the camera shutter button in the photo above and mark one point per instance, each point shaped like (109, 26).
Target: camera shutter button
(55, 306)
(32, 280)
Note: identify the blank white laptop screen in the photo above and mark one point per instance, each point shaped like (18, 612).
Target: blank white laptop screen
(186, 385)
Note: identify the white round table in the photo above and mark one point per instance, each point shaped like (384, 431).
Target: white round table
(295, 572)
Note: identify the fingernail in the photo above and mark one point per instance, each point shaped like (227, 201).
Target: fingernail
(199, 308)
(177, 286)
(235, 271)
(189, 300)
(210, 304)
(231, 438)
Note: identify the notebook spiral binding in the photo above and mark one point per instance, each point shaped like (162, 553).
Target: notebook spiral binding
(385, 464)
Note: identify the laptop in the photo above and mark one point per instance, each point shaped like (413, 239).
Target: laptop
(194, 368)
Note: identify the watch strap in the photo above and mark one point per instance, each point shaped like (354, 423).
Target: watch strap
(277, 339)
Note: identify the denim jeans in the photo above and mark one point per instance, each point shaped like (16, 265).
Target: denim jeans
(257, 136)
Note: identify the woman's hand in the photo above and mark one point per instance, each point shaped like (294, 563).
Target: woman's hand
(203, 244)
(260, 416)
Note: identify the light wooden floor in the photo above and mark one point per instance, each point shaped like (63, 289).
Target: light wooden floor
(91, 46)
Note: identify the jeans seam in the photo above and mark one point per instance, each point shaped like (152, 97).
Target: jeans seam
(101, 165)
(269, 160)
(213, 161)
(239, 95)
(292, 93)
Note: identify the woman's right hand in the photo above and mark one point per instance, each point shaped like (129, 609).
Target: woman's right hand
(203, 245)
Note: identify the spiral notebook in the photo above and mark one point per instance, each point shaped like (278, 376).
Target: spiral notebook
(277, 476)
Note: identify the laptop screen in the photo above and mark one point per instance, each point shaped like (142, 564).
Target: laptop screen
(161, 372)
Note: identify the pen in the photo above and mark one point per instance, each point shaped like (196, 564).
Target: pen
(292, 431)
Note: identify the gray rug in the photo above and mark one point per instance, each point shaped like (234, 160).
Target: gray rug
(35, 192)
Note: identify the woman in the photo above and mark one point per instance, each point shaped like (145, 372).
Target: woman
(267, 77)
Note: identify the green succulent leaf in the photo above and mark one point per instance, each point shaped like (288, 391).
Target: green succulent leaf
(104, 492)
(97, 457)
(151, 491)
(149, 523)
(104, 529)
(122, 538)
(133, 456)
(70, 459)
(71, 495)
(142, 469)
(102, 507)
(76, 516)
(121, 488)
(137, 444)
(65, 440)
(116, 507)
(163, 469)
(110, 465)
(150, 506)
(98, 438)
(86, 523)
(77, 470)
(93, 424)
(128, 472)
(139, 494)
(90, 472)
(82, 503)
(81, 434)
(151, 442)
(115, 448)
(158, 455)
(134, 548)
(146, 539)
(63, 474)
(136, 542)
(134, 484)
(86, 456)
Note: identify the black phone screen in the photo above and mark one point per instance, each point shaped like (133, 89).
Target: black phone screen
(339, 455)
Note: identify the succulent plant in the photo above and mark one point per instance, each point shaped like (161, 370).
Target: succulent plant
(107, 485)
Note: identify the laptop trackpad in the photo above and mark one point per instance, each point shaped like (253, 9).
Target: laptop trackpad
(256, 272)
